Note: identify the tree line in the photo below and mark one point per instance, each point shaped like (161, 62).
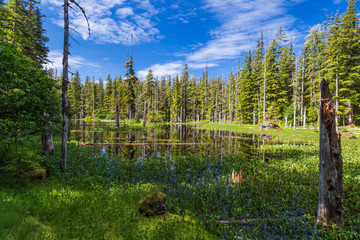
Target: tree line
(272, 82)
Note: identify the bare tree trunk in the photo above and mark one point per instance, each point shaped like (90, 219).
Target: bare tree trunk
(264, 107)
(337, 97)
(65, 124)
(350, 115)
(304, 118)
(46, 137)
(145, 113)
(117, 117)
(331, 165)
(286, 121)
(295, 94)
(302, 93)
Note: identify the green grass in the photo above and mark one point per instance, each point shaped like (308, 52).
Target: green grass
(58, 209)
(98, 198)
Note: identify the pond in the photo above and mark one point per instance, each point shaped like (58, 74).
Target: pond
(201, 184)
(167, 140)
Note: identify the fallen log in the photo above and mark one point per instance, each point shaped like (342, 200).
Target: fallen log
(249, 221)
(141, 144)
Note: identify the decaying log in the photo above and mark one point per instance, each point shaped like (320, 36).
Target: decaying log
(140, 144)
(249, 221)
(331, 165)
(145, 113)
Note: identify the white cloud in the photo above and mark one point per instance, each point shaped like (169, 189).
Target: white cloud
(337, 1)
(241, 23)
(160, 70)
(201, 65)
(107, 20)
(172, 68)
(124, 12)
(75, 62)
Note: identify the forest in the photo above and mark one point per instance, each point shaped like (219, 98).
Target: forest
(180, 157)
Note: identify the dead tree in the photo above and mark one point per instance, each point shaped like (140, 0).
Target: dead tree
(117, 117)
(65, 82)
(145, 113)
(46, 137)
(331, 165)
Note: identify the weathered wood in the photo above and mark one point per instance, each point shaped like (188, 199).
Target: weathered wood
(145, 113)
(249, 221)
(117, 117)
(331, 165)
(65, 61)
(46, 137)
(140, 144)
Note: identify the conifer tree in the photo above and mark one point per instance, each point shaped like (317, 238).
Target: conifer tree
(108, 100)
(184, 82)
(176, 100)
(247, 90)
(131, 82)
(349, 61)
(74, 95)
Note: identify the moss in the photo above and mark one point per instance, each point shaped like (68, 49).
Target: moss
(348, 135)
(37, 174)
(153, 204)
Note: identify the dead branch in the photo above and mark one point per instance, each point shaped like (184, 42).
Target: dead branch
(84, 13)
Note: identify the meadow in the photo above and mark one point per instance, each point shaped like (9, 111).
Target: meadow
(98, 196)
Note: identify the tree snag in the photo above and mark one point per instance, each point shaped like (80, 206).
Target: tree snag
(65, 82)
(145, 113)
(331, 165)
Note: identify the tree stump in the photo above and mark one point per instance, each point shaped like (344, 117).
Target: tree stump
(331, 165)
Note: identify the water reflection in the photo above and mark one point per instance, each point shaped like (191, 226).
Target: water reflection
(167, 140)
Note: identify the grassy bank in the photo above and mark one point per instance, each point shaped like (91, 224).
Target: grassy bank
(97, 198)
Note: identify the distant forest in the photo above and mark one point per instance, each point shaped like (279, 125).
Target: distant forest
(271, 83)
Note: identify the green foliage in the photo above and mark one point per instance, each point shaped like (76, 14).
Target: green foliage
(26, 94)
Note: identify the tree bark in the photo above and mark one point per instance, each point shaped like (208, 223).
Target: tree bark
(331, 165)
(337, 94)
(302, 93)
(145, 113)
(65, 124)
(117, 116)
(46, 138)
(295, 95)
(264, 107)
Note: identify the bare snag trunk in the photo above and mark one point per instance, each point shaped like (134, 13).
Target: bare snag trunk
(145, 113)
(46, 137)
(331, 165)
(65, 123)
(117, 117)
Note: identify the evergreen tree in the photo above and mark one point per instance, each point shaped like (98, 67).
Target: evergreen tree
(247, 90)
(349, 61)
(131, 82)
(108, 100)
(176, 100)
(74, 95)
(184, 82)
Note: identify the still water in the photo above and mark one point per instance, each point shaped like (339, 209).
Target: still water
(166, 140)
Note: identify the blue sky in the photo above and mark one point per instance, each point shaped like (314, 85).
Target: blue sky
(169, 33)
